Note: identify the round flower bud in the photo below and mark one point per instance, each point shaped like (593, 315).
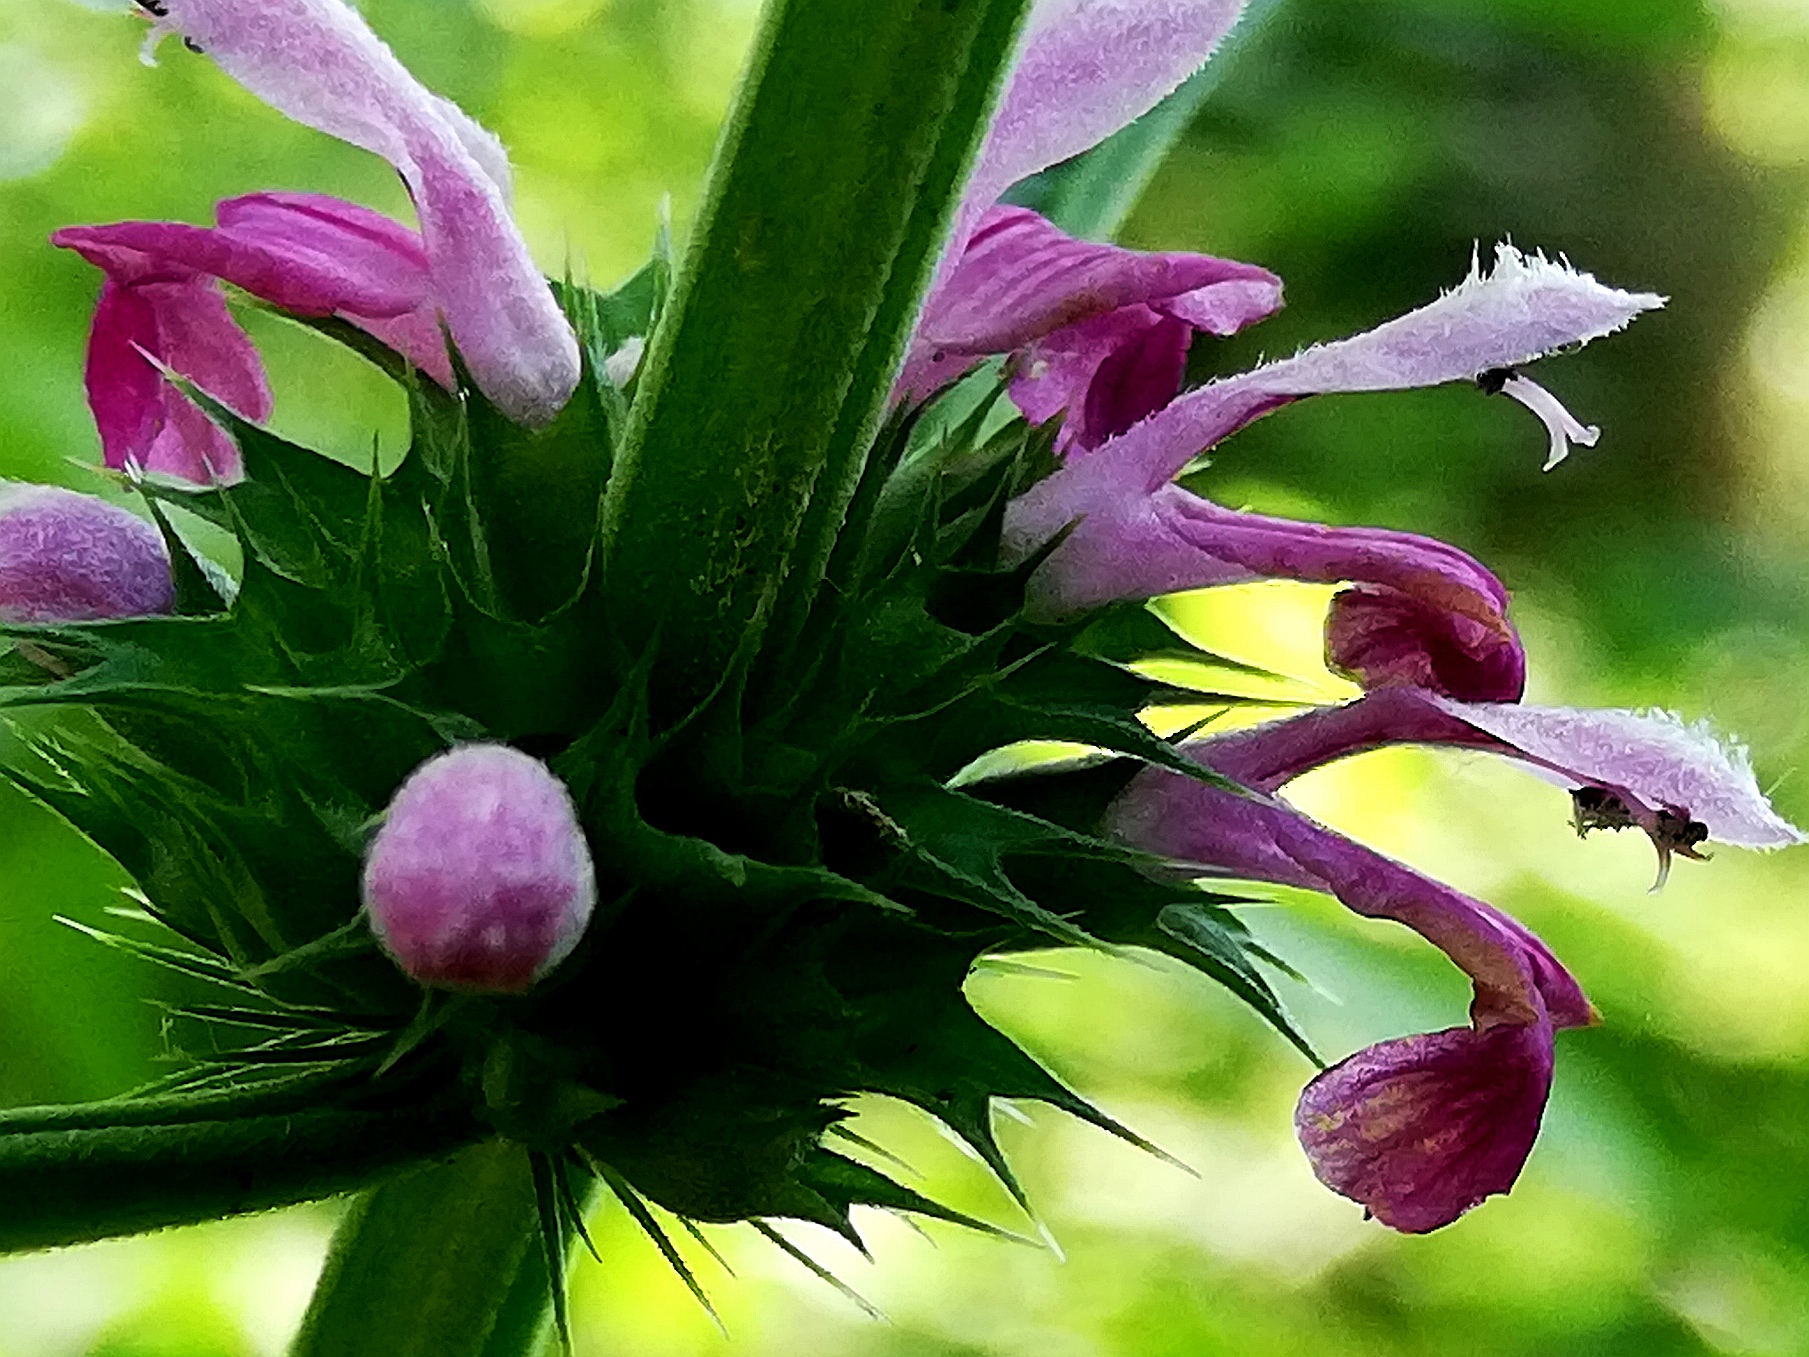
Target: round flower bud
(480, 879)
(66, 557)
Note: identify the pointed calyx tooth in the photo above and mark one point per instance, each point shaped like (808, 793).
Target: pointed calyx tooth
(480, 879)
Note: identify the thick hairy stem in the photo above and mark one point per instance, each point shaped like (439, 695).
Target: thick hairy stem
(842, 161)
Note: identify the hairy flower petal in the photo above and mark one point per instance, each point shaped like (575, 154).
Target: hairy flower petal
(1653, 756)
(317, 62)
(68, 557)
(1652, 759)
(1423, 1128)
(1086, 69)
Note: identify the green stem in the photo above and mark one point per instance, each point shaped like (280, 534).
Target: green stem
(70, 1175)
(442, 1262)
(842, 160)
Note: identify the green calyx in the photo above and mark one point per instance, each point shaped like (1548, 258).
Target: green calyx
(793, 884)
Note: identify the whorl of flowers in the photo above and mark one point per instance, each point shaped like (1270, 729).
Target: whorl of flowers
(634, 715)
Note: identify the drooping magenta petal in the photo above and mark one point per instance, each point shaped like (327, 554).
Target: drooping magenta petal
(1654, 756)
(1423, 1128)
(142, 418)
(305, 253)
(68, 557)
(1380, 637)
(1106, 374)
(1022, 284)
(317, 62)
(1087, 68)
(1253, 837)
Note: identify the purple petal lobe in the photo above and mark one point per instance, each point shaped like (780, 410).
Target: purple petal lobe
(1526, 308)
(480, 878)
(67, 557)
(1380, 637)
(1423, 1128)
(1086, 69)
(1022, 284)
(1656, 758)
(317, 62)
(181, 321)
(1106, 373)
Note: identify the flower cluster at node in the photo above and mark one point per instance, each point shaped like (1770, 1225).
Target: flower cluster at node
(413, 728)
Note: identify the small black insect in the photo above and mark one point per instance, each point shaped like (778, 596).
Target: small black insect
(194, 47)
(155, 8)
(1598, 808)
(1494, 379)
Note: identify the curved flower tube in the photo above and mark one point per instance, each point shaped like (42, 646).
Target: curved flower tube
(308, 254)
(1422, 1128)
(317, 62)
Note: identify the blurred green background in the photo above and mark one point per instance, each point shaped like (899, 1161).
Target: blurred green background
(1361, 148)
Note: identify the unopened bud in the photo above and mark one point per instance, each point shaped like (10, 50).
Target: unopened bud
(67, 557)
(480, 878)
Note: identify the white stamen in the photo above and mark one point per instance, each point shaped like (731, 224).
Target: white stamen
(1559, 422)
(619, 368)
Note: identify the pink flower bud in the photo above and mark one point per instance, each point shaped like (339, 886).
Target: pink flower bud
(66, 557)
(480, 878)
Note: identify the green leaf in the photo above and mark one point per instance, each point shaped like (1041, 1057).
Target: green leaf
(841, 163)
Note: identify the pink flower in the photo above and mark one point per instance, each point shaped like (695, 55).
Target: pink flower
(1422, 1128)
(67, 557)
(317, 62)
(309, 255)
(480, 878)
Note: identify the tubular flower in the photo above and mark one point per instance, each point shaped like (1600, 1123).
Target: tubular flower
(1099, 331)
(317, 62)
(480, 878)
(308, 254)
(67, 557)
(1434, 615)
(1422, 1128)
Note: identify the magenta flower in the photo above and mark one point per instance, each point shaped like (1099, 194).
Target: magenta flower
(1099, 331)
(67, 557)
(480, 878)
(317, 62)
(308, 254)
(1422, 1128)
(1432, 615)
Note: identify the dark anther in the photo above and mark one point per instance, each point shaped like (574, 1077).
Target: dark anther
(1598, 808)
(156, 8)
(1494, 379)
(194, 47)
